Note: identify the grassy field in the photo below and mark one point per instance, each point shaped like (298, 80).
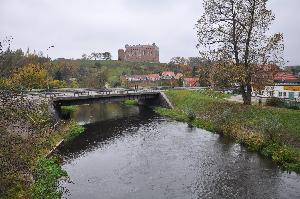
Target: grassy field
(274, 132)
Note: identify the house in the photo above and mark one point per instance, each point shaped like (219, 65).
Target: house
(153, 77)
(286, 78)
(191, 82)
(135, 78)
(178, 76)
(167, 75)
(286, 86)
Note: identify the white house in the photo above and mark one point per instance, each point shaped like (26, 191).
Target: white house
(286, 86)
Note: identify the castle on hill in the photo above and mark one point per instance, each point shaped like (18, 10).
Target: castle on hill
(139, 53)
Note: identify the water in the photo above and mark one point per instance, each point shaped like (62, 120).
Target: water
(130, 152)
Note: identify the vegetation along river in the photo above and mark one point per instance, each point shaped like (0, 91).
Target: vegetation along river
(131, 152)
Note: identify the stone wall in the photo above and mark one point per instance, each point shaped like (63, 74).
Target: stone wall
(139, 53)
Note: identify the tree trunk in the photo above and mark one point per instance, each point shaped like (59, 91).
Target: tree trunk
(246, 93)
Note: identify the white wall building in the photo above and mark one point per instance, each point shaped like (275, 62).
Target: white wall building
(282, 91)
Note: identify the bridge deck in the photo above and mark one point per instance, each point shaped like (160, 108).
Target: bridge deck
(86, 99)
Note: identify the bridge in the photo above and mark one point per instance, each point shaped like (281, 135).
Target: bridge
(80, 97)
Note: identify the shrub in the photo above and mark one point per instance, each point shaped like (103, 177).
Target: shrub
(269, 149)
(191, 115)
(73, 132)
(285, 156)
(271, 127)
(275, 102)
(67, 111)
(254, 141)
(46, 176)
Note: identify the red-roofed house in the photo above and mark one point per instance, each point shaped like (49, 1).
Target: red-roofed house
(285, 77)
(191, 82)
(286, 85)
(135, 78)
(168, 75)
(153, 77)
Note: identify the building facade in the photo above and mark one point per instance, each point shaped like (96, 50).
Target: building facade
(286, 86)
(139, 53)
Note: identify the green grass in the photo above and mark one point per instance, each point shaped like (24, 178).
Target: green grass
(130, 102)
(74, 131)
(256, 127)
(46, 176)
(66, 111)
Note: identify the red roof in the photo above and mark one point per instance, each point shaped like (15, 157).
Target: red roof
(168, 73)
(191, 81)
(284, 76)
(153, 76)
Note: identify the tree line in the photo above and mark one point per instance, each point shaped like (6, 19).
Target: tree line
(97, 56)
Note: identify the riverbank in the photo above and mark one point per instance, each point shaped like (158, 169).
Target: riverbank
(27, 135)
(273, 132)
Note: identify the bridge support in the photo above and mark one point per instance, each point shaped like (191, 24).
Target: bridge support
(159, 100)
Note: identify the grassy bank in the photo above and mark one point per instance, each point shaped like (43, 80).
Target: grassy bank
(274, 132)
(26, 137)
(74, 131)
(46, 175)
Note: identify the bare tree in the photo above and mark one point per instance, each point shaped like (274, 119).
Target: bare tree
(234, 34)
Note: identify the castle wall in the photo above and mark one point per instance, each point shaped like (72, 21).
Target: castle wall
(139, 53)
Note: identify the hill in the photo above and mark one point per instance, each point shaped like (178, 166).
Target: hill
(94, 73)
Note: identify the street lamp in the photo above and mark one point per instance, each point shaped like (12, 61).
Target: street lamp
(48, 49)
(48, 71)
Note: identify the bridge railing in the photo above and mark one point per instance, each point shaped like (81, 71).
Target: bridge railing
(92, 92)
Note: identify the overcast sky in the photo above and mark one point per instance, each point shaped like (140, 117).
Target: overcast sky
(83, 26)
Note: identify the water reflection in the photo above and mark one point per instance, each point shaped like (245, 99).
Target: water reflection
(141, 155)
(100, 112)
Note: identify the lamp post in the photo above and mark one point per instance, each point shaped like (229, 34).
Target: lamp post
(47, 71)
(48, 49)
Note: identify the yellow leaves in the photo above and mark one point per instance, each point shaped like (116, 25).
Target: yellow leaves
(57, 84)
(74, 84)
(30, 77)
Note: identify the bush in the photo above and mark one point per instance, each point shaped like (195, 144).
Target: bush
(46, 176)
(271, 127)
(191, 115)
(73, 132)
(275, 102)
(283, 155)
(66, 111)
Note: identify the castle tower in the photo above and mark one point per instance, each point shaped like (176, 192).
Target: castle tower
(139, 53)
(121, 55)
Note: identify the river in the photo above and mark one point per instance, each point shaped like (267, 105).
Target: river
(130, 152)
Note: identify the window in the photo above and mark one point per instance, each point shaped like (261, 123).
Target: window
(284, 94)
(280, 94)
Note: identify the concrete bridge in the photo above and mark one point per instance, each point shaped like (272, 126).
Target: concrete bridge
(144, 97)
